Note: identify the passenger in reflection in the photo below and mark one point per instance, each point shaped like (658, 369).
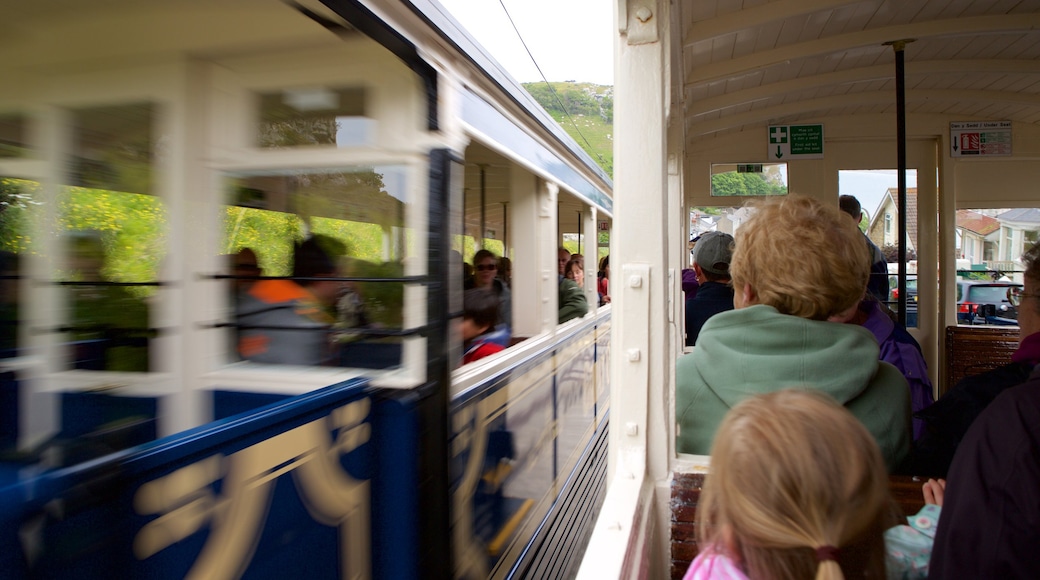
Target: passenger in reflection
(486, 265)
(798, 269)
(289, 321)
(479, 318)
(575, 270)
(244, 267)
(505, 271)
(603, 283)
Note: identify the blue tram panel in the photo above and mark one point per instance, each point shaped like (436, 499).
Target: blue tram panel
(285, 490)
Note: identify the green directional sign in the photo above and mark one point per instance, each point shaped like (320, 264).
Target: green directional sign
(788, 142)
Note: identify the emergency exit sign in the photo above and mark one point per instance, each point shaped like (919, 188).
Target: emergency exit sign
(788, 142)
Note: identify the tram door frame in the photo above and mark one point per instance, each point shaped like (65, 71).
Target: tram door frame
(922, 156)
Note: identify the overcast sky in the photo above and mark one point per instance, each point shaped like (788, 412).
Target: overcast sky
(571, 40)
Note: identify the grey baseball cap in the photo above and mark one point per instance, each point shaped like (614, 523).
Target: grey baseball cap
(713, 252)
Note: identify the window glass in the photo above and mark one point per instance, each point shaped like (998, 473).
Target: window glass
(112, 242)
(314, 116)
(989, 247)
(748, 179)
(878, 194)
(308, 251)
(13, 142)
(18, 199)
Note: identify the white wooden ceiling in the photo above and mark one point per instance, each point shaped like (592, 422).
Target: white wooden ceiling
(750, 63)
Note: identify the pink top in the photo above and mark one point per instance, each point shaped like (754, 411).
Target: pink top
(711, 565)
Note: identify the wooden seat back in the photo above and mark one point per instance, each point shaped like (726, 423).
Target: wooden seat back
(971, 350)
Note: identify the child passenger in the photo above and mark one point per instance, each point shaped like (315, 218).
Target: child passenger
(797, 489)
(480, 314)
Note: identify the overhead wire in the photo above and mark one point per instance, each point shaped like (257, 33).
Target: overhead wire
(570, 117)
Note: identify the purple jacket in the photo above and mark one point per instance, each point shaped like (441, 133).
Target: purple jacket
(900, 349)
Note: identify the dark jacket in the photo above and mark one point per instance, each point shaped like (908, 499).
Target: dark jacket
(946, 422)
(949, 418)
(710, 299)
(990, 522)
(878, 283)
(572, 301)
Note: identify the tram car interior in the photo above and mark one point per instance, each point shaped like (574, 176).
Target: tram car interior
(233, 245)
(718, 103)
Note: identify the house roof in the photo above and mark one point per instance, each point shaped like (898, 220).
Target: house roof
(1022, 215)
(975, 222)
(911, 211)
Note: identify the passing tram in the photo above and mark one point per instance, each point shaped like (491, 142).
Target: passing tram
(707, 91)
(144, 147)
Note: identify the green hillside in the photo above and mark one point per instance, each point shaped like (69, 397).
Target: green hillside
(591, 115)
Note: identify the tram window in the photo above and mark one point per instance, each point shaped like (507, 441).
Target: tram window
(13, 141)
(314, 116)
(989, 246)
(17, 199)
(113, 240)
(356, 217)
(748, 179)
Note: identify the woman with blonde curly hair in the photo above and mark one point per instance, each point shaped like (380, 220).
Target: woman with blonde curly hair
(798, 272)
(797, 489)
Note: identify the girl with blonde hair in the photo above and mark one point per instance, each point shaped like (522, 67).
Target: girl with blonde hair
(797, 489)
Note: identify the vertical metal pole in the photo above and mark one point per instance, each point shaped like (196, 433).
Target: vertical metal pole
(505, 229)
(898, 47)
(579, 233)
(483, 205)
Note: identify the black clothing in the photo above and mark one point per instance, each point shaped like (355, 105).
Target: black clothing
(949, 418)
(990, 521)
(711, 298)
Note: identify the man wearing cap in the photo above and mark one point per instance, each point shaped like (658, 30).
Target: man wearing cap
(711, 257)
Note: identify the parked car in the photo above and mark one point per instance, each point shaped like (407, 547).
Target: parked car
(911, 298)
(985, 303)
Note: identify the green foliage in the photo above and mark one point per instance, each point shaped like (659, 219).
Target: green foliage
(735, 184)
(591, 118)
(17, 198)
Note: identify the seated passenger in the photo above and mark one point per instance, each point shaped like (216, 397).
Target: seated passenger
(989, 523)
(899, 349)
(949, 418)
(603, 284)
(486, 269)
(797, 263)
(480, 314)
(572, 301)
(878, 284)
(796, 489)
(575, 270)
(711, 258)
(289, 322)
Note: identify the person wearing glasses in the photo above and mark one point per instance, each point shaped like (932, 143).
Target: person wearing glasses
(485, 276)
(988, 527)
(947, 421)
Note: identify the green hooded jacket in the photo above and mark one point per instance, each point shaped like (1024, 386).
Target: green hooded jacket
(757, 350)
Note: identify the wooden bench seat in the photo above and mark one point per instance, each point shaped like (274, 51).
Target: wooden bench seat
(971, 350)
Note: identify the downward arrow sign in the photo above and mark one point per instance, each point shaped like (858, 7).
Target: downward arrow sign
(779, 153)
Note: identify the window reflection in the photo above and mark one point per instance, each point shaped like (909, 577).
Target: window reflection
(18, 198)
(112, 148)
(314, 116)
(318, 239)
(113, 240)
(13, 141)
